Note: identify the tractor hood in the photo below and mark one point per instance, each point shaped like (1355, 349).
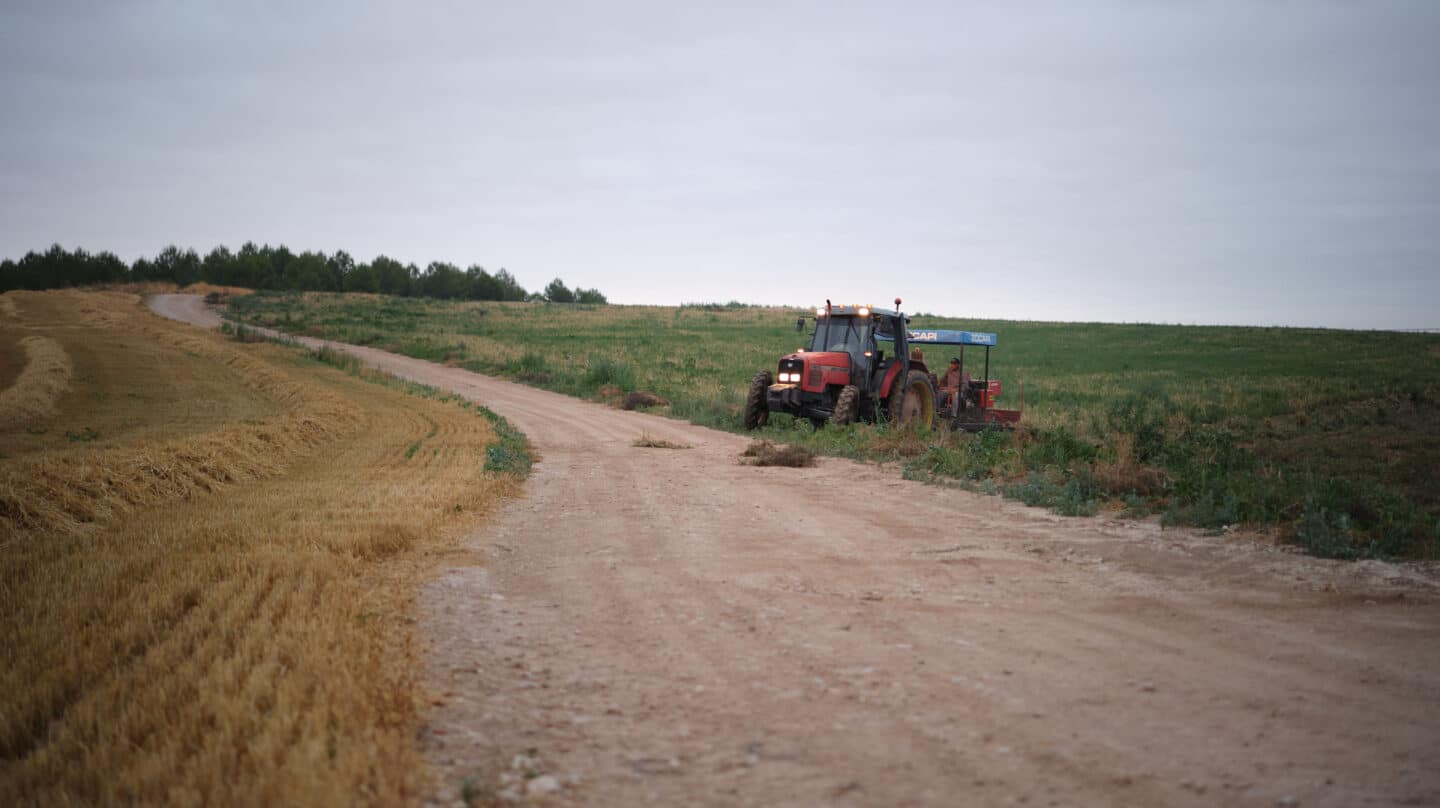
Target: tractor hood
(836, 358)
(817, 369)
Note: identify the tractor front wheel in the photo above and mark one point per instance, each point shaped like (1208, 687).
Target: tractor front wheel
(913, 402)
(757, 411)
(847, 406)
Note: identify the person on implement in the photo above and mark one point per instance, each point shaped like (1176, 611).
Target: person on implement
(951, 384)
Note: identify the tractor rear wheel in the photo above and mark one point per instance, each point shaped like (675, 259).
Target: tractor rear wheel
(847, 406)
(757, 412)
(914, 401)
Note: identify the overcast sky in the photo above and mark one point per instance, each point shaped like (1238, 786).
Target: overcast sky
(1209, 162)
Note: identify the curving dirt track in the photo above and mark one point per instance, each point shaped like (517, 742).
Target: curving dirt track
(666, 626)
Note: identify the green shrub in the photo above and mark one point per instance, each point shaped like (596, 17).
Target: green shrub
(1325, 533)
(1143, 415)
(1057, 448)
(510, 454)
(603, 370)
(1077, 496)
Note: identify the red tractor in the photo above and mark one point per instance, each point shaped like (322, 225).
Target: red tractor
(845, 376)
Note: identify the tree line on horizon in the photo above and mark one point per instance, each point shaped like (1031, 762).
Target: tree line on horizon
(266, 267)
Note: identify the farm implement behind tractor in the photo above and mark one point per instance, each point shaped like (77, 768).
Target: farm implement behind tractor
(970, 404)
(845, 375)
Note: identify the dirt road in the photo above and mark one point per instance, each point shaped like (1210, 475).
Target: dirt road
(666, 626)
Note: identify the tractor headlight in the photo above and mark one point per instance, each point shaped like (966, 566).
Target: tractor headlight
(789, 378)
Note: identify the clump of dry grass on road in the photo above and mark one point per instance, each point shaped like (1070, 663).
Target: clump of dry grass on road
(219, 609)
(648, 441)
(46, 375)
(765, 453)
(642, 399)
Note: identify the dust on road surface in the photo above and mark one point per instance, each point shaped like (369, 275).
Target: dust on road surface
(666, 626)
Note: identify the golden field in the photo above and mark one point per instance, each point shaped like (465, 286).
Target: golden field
(208, 555)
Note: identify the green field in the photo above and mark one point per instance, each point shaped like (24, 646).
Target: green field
(1331, 438)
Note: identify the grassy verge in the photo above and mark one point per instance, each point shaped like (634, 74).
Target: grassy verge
(1331, 437)
(209, 599)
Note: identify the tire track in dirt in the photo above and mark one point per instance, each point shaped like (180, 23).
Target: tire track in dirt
(669, 627)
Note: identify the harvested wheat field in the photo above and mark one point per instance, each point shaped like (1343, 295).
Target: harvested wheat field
(208, 557)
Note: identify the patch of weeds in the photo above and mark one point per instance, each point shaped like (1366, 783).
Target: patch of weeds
(1136, 506)
(337, 359)
(603, 370)
(529, 364)
(1345, 519)
(432, 351)
(851, 440)
(1077, 496)
(903, 441)
(244, 333)
(1215, 481)
(1325, 533)
(765, 453)
(414, 447)
(530, 368)
(1214, 508)
(85, 435)
(1057, 448)
(715, 412)
(965, 457)
(510, 454)
(1143, 415)
(648, 441)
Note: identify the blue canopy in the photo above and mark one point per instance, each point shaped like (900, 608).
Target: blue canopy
(942, 337)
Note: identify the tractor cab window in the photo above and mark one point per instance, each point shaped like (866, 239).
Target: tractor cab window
(839, 334)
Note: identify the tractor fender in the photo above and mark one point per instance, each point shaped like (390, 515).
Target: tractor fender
(893, 372)
(898, 370)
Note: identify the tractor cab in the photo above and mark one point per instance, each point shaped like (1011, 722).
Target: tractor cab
(853, 331)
